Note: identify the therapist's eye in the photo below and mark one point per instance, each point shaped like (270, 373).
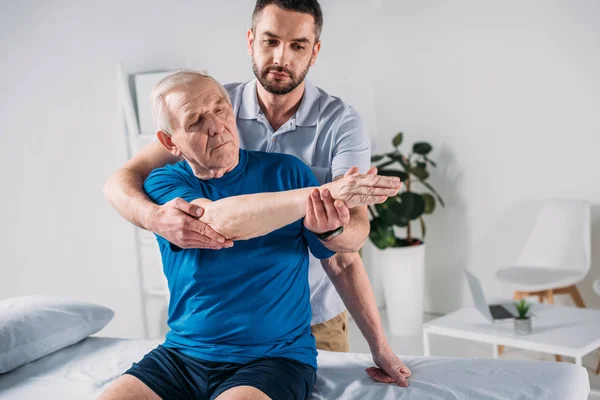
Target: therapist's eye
(270, 42)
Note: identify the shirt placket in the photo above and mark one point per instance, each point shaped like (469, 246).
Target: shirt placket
(274, 137)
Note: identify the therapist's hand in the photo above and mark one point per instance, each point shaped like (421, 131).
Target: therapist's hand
(323, 213)
(177, 221)
(391, 368)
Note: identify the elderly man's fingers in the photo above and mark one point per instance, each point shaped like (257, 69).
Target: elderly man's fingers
(377, 181)
(373, 192)
(342, 211)
(372, 171)
(351, 171)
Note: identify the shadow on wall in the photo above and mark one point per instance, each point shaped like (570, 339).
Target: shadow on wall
(447, 238)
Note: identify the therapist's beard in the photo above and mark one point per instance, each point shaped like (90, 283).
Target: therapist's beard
(277, 88)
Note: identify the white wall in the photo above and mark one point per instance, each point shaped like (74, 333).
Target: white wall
(63, 134)
(507, 93)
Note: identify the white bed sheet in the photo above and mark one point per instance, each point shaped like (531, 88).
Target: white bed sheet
(84, 370)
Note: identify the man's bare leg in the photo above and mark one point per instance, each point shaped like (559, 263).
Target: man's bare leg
(243, 393)
(128, 387)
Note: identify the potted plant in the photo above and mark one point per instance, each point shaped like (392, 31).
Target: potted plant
(523, 321)
(403, 261)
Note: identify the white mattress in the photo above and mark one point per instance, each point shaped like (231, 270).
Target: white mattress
(84, 370)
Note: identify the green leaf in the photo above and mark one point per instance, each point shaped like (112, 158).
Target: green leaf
(397, 139)
(429, 203)
(422, 165)
(422, 148)
(413, 203)
(419, 172)
(423, 230)
(428, 186)
(394, 172)
(430, 162)
(383, 208)
(385, 164)
(381, 234)
(376, 157)
(397, 156)
(396, 213)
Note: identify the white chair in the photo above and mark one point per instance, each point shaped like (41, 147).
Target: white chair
(597, 290)
(556, 255)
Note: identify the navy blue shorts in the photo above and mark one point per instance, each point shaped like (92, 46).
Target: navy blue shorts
(173, 375)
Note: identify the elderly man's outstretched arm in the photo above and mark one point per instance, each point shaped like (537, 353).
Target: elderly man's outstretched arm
(249, 216)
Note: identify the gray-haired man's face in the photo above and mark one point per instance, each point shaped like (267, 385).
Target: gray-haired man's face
(204, 126)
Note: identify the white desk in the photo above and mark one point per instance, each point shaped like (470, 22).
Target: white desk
(566, 331)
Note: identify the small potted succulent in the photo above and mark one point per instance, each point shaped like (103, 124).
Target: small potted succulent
(523, 321)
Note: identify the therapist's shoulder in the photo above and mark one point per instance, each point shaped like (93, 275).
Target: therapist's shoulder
(334, 108)
(235, 91)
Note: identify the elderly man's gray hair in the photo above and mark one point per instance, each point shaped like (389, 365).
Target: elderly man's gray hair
(169, 83)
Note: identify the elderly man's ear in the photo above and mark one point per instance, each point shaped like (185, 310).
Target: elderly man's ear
(167, 142)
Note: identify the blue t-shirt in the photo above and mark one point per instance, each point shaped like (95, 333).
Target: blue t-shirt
(249, 301)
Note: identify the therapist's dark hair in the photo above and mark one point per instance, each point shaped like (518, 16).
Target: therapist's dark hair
(311, 7)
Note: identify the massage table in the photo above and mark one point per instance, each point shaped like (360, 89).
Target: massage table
(84, 370)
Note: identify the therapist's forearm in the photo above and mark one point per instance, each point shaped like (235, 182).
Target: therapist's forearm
(348, 275)
(253, 215)
(125, 191)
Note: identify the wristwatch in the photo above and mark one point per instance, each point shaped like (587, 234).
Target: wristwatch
(329, 235)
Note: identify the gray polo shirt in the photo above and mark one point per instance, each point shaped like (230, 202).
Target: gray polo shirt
(325, 133)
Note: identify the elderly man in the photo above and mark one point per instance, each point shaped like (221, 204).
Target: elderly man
(239, 317)
(281, 112)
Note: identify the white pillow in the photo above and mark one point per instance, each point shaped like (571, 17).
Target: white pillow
(34, 326)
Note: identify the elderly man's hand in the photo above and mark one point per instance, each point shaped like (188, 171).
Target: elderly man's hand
(356, 189)
(391, 368)
(177, 221)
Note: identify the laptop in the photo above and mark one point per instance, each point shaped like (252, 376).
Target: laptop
(492, 312)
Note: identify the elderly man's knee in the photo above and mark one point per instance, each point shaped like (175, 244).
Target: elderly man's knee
(128, 387)
(243, 393)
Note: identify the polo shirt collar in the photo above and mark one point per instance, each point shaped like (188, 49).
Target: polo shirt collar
(307, 113)
(249, 109)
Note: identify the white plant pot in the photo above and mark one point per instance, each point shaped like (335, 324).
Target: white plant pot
(403, 275)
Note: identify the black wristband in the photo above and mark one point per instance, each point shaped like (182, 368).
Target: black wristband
(327, 236)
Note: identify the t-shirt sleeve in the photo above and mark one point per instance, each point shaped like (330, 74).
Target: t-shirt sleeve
(352, 145)
(306, 178)
(167, 183)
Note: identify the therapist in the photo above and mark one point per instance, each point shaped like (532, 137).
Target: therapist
(281, 112)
